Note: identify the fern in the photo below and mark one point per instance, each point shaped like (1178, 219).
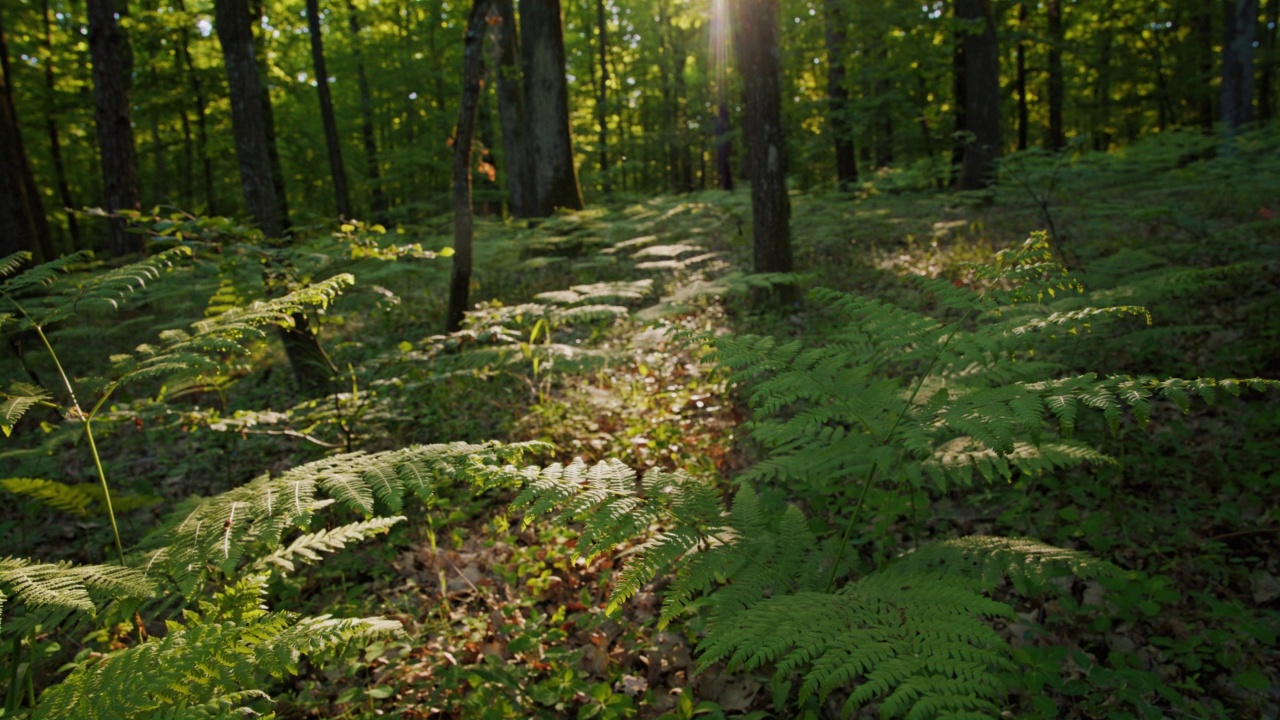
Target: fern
(52, 591)
(21, 398)
(81, 499)
(209, 664)
(218, 532)
(895, 399)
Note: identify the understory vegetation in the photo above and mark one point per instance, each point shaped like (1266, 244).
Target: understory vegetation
(1014, 455)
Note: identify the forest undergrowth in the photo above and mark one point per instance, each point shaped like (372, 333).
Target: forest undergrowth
(576, 342)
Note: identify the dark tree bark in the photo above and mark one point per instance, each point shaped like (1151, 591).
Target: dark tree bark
(884, 117)
(51, 129)
(23, 225)
(472, 67)
(959, 102)
(1056, 139)
(112, 63)
(254, 139)
(555, 179)
(1267, 49)
(756, 40)
(837, 41)
(378, 198)
(249, 124)
(602, 99)
(1239, 30)
(341, 195)
(724, 146)
(202, 126)
(1020, 81)
(981, 93)
(1204, 33)
(519, 171)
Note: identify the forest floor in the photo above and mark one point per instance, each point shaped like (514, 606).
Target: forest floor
(573, 344)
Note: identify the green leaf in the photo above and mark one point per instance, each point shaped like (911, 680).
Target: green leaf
(1252, 680)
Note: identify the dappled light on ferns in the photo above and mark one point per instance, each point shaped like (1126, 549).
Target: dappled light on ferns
(900, 400)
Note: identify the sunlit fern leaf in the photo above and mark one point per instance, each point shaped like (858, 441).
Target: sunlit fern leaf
(38, 275)
(231, 645)
(307, 548)
(12, 263)
(984, 561)
(20, 398)
(52, 591)
(249, 522)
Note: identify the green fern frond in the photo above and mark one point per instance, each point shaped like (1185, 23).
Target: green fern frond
(10, 264)
(21, 398)
(212, 662)
(37, 276)
(52, 591)
(250, 520)
(307, 548)
(81, 499)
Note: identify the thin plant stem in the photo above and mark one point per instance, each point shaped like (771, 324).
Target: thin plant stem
(87, 419)
(866, 486)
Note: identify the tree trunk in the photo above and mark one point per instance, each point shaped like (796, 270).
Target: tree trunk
(555, 180)
(1024, 112)
(1267, 49)
(341, 196)
(511, 113)
(202, 125)
(602, 100)
(472, 65)
(22, 222)
(837, 41)
(51, 129)
(377, 197)
(1239, 30)
(959, 88)
(114, 115)
(1204, 32)
(251, 128)
(756, 40)
(1056, 139)
(981, 93)
(248, 117)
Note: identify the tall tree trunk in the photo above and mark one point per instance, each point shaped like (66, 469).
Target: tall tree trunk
(511, 115)
(724, 145)
(248, 117)
(112, 66)
(51, 129)
(1102, 88)
(377, 197)
(555, 179)
(202, 126)
(959, 103)
(1020, 81)
(720, 34)
(258, 10)
(981, 93)
(159, 156)
(1239, 30)
(884, 117)
(1270, 59)
(1204, 33)
(837, 42)
(341, 196)
(602, 99)
(472, 66)
(1056, 138)
(251, 128)
(23, 225)
(756, 40)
